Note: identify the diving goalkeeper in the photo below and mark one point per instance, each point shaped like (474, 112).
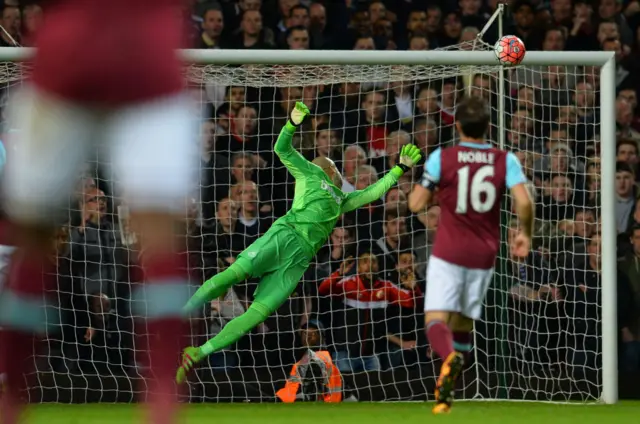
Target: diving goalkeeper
(282, 255)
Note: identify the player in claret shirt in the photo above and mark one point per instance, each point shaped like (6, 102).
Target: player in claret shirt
(471, 178)
(105, 75)
(283, 253)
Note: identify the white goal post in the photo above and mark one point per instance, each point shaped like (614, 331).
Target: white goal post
(484, 59)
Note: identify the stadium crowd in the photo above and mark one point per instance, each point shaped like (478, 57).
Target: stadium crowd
(379, 252)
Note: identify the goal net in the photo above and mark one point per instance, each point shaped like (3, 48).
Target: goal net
(540, 335)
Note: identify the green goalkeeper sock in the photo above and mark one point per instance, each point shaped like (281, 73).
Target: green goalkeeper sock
(235, 329)
(216, 286)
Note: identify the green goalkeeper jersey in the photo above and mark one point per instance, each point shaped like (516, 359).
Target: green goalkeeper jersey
(317, 203)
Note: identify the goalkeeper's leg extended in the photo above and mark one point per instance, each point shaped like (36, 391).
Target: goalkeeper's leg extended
(280, 260)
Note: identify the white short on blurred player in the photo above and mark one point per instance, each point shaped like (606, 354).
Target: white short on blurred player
(119, 90)
(471, 178)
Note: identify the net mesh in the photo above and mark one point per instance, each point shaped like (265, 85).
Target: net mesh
(539, 338)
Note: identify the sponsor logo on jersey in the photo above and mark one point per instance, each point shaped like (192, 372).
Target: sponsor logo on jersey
(331, 191)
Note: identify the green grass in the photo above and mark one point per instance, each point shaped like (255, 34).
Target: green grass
(349, 413)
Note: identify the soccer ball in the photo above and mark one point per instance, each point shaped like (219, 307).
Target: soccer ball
(509, 50)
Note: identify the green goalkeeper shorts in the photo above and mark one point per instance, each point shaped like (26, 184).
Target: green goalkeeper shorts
(280, 259)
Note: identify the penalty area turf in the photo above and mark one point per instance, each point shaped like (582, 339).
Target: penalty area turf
(347, 413)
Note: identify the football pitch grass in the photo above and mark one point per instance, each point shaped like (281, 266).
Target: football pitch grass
(348, 413)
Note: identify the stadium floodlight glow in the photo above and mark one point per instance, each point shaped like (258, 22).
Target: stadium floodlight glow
(287, 68)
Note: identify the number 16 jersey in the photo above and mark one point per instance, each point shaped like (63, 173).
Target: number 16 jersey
(472, 179)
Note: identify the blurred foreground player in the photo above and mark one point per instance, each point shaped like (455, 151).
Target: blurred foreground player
(120, 91)
(471, 178)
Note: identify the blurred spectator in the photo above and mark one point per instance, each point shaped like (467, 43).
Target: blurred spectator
(482, 86)
(584, 98)
(471, 12)
(416, 25)
(554, 40)
(235, 97)
(425, 135)
(625, 192)
(395, 200)
(284, 12)
(354, 158)
(468, 36)
(327, 142)
(368, 218)
(215, 169)
(418, 42)
(624, 119)
(243, 136)
(384, 35)
(522, 134)
(297, 38)
(582, 294)
(320, 39)
(635, 217)
(12, 23)
(433, 25)
(538, 328)
(394, 239)
(99, 260)
(364, 43)
(250, 222)
(342, 245)
(234, 12)
(629, 296)
(393, 144)
(375, 122)
(405, 325)
(562, 12)
(523, 24)
(356, 338)
(581, 25)
(571, 247)
(559, 204)
(611, 9)
(607, 30)
(627, 151)
(377, 10)
(359, 26)
(252, 34)
(452, 29)
(242, 167)
(212, 27)
(560, 160)
(32, 21)
(215, 245)
(299, 16)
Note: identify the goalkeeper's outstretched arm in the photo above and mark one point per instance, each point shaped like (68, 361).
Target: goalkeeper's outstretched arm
(359, 198)
(409, 156)
(297, 165)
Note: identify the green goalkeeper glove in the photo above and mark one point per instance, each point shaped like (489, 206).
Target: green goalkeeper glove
(299, 114)
(409, 156)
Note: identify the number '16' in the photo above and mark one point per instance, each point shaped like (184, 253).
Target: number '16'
(475, 190)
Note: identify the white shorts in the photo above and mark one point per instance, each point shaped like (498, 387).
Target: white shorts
(150, 148)
(454, 288)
